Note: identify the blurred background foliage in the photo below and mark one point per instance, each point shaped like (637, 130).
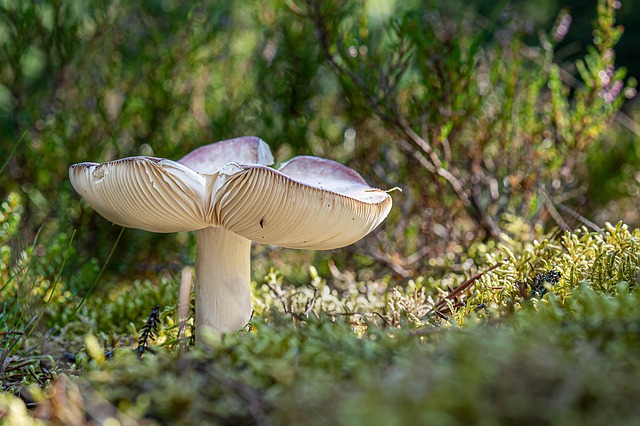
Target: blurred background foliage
(502, 123)
(497, 121)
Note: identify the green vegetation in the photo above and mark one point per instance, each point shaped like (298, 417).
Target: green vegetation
(496, 292)
(512, 347)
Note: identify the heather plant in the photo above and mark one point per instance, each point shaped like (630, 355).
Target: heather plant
(473, 117)
(495, 126)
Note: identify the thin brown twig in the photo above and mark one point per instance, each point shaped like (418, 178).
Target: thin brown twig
(310, 303)
(461, 289)
(379, 315)
(5, 333)
(554, 212)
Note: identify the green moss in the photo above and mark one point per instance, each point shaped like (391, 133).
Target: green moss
(372, 353)
(550, 363)
(545, 333)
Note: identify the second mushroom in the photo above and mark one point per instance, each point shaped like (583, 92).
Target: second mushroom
(226, 192)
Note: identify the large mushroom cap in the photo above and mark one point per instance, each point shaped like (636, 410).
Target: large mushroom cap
(308, 203)
(161, 195)
(143, 192)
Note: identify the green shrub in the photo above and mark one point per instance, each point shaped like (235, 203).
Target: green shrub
(418, 94)
(493, 125)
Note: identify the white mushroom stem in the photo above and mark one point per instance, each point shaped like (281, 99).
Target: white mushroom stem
(223, 280)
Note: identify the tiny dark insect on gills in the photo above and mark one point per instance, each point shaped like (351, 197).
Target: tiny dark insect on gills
(262, 223)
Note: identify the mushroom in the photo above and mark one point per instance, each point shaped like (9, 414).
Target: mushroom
(226, 193)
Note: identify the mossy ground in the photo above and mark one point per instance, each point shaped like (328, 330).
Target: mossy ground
(513, 348)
